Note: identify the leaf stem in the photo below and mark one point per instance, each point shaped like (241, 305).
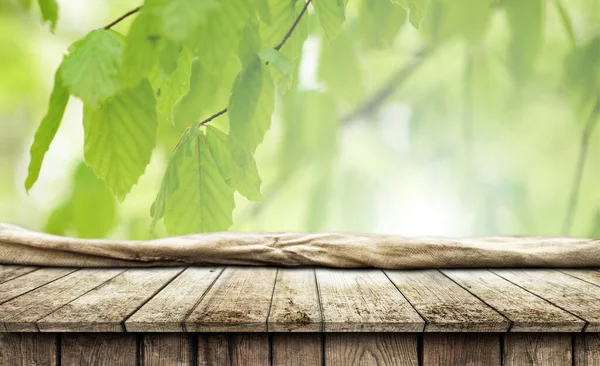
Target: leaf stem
(579, 169)
(123, 17)
(291, 30)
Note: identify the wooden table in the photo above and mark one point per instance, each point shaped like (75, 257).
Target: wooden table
(241, 315)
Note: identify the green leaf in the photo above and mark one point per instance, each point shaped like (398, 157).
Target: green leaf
(566, 22)
(282, 68)
(251, 105)
(331, 15)
(92, 205)
(216, 39)
(170, 181)
(49, 9)
(47, 129)
(380, 23)
(283, 15)
(179, 18)
(203, 201)
(176, 86)
(120, 136)
(339, 68)
(58, 220)
(416, 10)
(141, 50)
(91, 69)
(582, 74)
(445, 19)
(526, 19)
(235, 162)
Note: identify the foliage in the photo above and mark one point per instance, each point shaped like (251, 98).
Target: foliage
(204, 81)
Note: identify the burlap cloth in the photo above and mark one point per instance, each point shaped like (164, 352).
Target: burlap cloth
(25, 247)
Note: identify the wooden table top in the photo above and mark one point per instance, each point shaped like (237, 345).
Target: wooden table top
(260, 299)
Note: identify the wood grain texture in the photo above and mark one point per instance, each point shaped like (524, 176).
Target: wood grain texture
(370, 349)
(167, 349)
(569, 293)
(538, 349)
(105, 308)
(364, 301)
(455, 349)
(527, 312)
(98, 349)
(297, 349)
(20, 285)
(587, 349)
(10, 272)
(295, 304)
(22, 349)
(238, 301)
(250, 349)
(21, 313)
(445, 306)
(167, 310)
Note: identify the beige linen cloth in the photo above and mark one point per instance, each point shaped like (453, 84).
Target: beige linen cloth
(25, 247)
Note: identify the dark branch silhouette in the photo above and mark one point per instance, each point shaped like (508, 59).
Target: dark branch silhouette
(123, 17)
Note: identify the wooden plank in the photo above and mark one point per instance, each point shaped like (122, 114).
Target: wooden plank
(28, 349)
(99, 349)
(234, 349)
(10, 272)
(167, 349)
(587, 349)
(527, 312)
(167, 310)
(456, 349)
(364, 301)
(371, 349)
(237, 302)
(569, 293)
(106, 307)
(538, 349)
(21, 313)
(445, 306)
(297, 349)
(588, 275)
(20, 285)
(295, 305)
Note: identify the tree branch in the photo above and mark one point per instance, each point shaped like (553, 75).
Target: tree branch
(123, 17)
(579, 169)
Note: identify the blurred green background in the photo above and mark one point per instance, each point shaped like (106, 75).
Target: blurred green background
(483, 138)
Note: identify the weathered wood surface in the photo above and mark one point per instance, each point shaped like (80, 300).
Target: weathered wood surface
(538, 349)
(234, 349)
(258, 299)
(446, 306)
(447, 349)
(25, 349)
(98, 349)
(297, 349)
(376, 349)
(163, 349)
(364, 301)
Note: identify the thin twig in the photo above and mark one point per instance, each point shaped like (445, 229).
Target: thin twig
(579, 169)
(371, 105)
(277, 47)
(122, 17)
(291, 30)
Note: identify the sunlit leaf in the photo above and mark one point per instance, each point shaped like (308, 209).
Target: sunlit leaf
(202, 201)
(49, 9)
(526, 19)
(91, 69)
(120, 136)
(380, 23)
(179, 18)
(446, 19)
(582, 73)
(175, 87)
(283, 15)
(47, 129)
(141, 50)
(416, 10)
(331, 14)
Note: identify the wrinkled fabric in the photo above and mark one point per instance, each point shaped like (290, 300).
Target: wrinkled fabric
(20, 246)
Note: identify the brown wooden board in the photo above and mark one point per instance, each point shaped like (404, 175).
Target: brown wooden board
(538, 349)
(20, 285)
(105, 308)
(167, 310)
(586, 349)
(454, 349)
(98, 349)
(370, 349)
(576, 296)
(295, 305)
(22, 313)
(446, 306)
(527, 312)
(250, 349)
(297, 349)
(167, 349)
(364, 301)
(239, 301)
(26, 349)
(10, 272)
